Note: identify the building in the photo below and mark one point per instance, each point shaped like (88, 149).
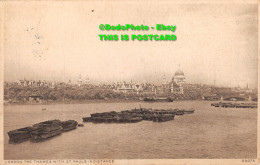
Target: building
(175, 88)
(179, 77)
(165, 85)
(128, 87)
(176, 85)
(87, 81)
(79, 81)
(35, 98)
(124, 87)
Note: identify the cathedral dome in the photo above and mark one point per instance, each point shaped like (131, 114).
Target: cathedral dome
(179, 73)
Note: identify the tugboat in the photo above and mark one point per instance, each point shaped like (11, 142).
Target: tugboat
(69, 125)
(46, 129)
(20, 135)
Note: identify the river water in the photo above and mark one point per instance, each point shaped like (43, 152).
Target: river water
(208, 133)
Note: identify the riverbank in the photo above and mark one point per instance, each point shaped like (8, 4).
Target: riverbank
(70, 102)
(99, 101)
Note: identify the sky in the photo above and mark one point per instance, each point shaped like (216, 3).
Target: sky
(58, 41)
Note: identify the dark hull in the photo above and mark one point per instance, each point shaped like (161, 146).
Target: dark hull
(40, 134)
(163, 118)
(20, 135)
(69, 128)
(136, 119)
(87, 119)
(129, 120)
(136, 115)
(46, 129)
(80, 125)
(179, 113)
(117, 120)
(148, 117)
(69, 125)
(48, 126)
(188, 111)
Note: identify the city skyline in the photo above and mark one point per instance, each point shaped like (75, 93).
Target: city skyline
(157, 83)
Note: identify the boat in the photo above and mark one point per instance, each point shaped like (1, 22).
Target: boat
(149, 99)
(41, 134)
(111, 120)
(162, 118)
(80, 125)
(135, 119)
(158, 99)
(87, 119)
(148, 117)
(162, 99)
(95, 114)
(136, 115)
(69, 125)
(46, 129)
(189, 111)
(48, 125)
(20, 135)
(180, 112)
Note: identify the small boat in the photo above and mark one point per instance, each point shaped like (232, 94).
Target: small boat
(69, 125)
(149, 99)
(46, 129)
(189, 111)
(20, 135)
(80, 125)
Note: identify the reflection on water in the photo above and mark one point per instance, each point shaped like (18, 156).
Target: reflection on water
(208, 133)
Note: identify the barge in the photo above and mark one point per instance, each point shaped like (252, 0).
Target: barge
(20, 135)
(136, 115)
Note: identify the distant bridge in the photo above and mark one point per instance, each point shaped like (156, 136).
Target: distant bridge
(233, 97)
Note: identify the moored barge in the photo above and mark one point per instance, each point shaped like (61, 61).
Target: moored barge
(69, 125)
(46, 129)
(20, 135)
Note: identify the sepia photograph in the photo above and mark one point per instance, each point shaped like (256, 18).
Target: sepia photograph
(145, 81)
